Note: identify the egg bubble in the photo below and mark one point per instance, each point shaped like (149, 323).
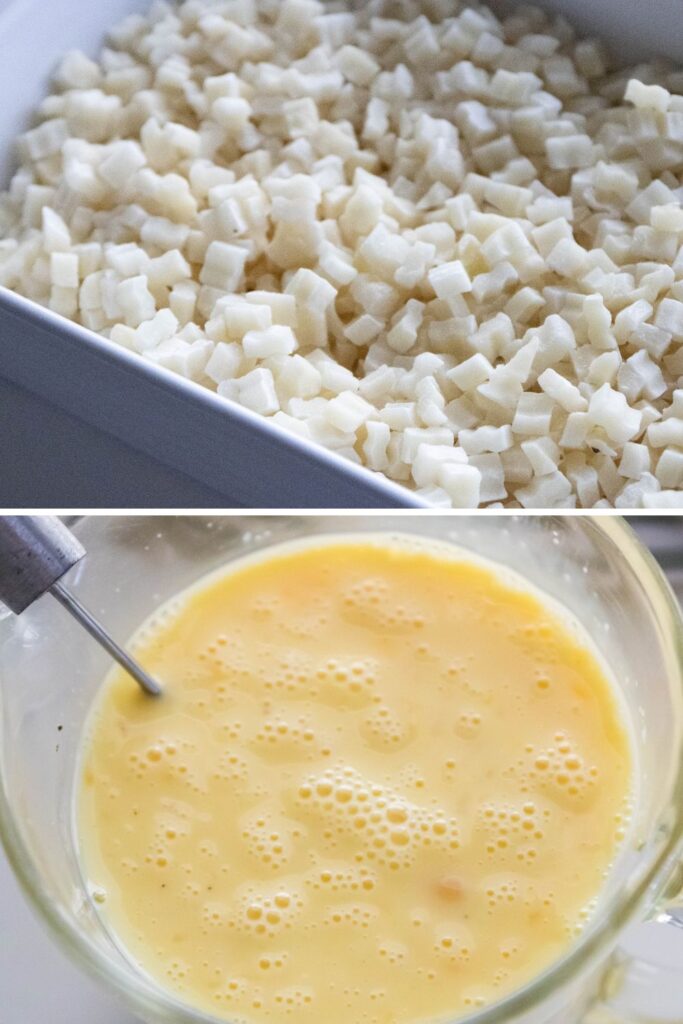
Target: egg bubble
(468, 724)
(393, 952)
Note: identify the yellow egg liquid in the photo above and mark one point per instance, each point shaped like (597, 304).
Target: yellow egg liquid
(383, 785)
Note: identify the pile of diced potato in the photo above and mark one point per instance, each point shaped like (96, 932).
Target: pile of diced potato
(448, 247)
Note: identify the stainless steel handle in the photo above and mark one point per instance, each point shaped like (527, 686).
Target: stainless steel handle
(35, 553)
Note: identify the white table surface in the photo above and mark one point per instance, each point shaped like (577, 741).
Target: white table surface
(38, 985)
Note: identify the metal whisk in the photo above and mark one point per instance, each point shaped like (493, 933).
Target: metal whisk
(35, 553)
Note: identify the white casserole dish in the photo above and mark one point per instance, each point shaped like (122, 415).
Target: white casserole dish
(245, 459)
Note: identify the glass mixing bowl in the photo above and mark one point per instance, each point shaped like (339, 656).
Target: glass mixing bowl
(50, 672)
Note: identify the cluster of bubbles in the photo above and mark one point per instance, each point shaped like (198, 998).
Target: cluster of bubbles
(277, 738)
(358, 915)
(393, 952)
(370, 603)
(294, 998)
(270, 840)
(165, 759)
(289, 1000)
(177, 972)
(458, 674)
(170, 827)
(502, 891)
(231, 767)
(347, 879)
(231, 729)
(622, 820)
(475, 1002)
(530, 635)
(408, 777)
(218, 654)
(389, 828)
(561, 773)
(236, 989)
(468, 724)
(273, 961)
(304, 626)
(347, 681)
(512, 829)
(263, 608)
(383, 730)
(215, 915)
(158, 855)
(159, 754)
(585, 914)
(242, 664)
(453, 947)
(290, 674)
(265, 914)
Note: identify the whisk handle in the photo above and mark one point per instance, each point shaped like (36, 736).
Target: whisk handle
(35, 552)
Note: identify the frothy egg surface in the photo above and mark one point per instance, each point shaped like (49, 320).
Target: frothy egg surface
(383, 785)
